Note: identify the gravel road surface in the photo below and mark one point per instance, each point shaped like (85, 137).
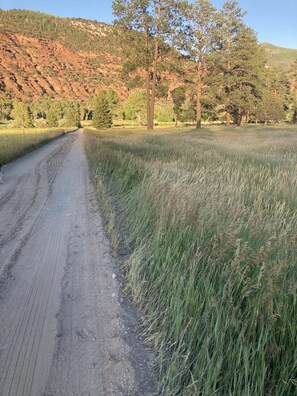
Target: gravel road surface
(65, 326)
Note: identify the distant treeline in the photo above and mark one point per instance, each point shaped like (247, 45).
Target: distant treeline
(178, 109)
(181, 62)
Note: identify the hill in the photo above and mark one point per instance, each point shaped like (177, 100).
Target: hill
(43, 55)
(279, 57)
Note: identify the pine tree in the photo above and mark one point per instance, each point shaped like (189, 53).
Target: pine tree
(147, 25)
(231, 25)
(102, 118)
(239, 65)
(198, 40)
(179, 98)
(71, 114)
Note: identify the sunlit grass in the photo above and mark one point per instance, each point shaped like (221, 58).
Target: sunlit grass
(209, 221)
(15, 142)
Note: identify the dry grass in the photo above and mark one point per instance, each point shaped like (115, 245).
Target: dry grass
(209, 220)
(16, 142)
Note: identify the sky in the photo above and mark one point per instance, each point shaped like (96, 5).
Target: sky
(275, 21)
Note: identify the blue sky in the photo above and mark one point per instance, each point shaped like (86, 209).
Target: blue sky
(275, 21)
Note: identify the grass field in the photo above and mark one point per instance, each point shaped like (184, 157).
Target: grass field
(16, 142)
(209, 222)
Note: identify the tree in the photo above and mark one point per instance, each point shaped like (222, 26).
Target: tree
(5, 109)
(270, 108)
(198, 40)
(113, 102)
(135, 106)
(294, 117)
(147, 25)
(231, 25)
(54, 114)
(22, 115)
(164, 111)
(248, 76)
(102, 118)
(71, 114)
(179, 98)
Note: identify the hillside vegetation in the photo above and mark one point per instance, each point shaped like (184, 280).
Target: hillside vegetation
(73, 33)
(209, 222)
(279, 57)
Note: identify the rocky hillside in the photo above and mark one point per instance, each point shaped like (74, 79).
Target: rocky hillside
(59, 57)
(43, 55)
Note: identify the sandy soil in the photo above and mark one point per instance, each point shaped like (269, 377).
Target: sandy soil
(65, 326)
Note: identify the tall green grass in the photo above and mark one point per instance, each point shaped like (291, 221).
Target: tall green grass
(16, 142)
(209, 221)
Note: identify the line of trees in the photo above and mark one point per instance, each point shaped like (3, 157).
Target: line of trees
(51, 113)
(217, 56)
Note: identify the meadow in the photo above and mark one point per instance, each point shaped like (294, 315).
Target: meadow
(16, 142)
(206, 224)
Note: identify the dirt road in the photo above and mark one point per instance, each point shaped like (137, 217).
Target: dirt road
(63, 330)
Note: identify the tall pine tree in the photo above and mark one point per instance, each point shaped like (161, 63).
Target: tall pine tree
(156, 21)
(197, 41)
(231, 25)
(102, 118)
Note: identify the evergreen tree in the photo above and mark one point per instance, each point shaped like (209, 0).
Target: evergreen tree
(113, 102)
(179, 98)
(22, 115)
(247, 69)
(155, 21)
(270, 109)
(54, 114)
(71, 114)
(5, 109)
(231, 25)
(198, 40)
(102, 118)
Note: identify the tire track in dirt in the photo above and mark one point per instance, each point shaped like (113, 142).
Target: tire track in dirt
(62, 328)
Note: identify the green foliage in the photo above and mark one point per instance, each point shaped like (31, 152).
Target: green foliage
(71, 114)
(54, 114)
(294, 117)
(102, 117)
(179, 98)
(270, 109)
(5, 109)
(22, 115)
(76, 34)
(135, 107)
(149, 27)
(164, 111)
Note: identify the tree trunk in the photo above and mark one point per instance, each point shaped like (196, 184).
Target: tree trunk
(228, 119)
(148, 98)
(247, 117)
(199, 94)
(148, 74)
(241, 120)
(156, 55)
